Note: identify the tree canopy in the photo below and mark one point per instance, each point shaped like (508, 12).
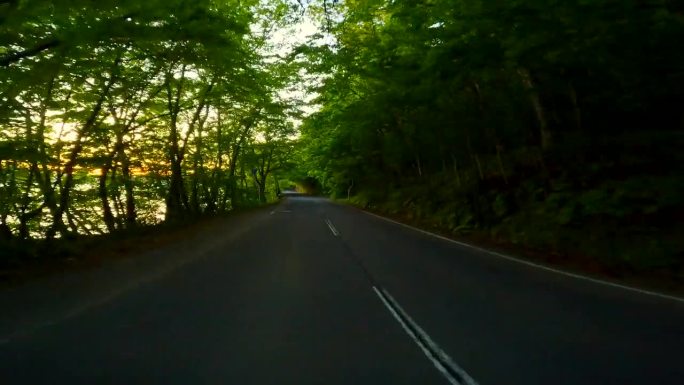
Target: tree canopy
(119, 113)
(534, 121)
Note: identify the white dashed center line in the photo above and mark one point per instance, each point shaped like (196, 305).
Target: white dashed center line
(332, 228)
(444, 364)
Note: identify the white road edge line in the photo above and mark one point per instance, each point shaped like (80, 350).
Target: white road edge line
(426, 344)
(538, 266)
(332, 228)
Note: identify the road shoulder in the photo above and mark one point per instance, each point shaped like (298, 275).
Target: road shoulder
(56, 295)
(649, 283)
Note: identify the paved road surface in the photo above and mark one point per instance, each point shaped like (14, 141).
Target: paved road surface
(315, 293)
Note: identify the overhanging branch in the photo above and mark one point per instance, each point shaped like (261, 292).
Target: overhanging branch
(14, 57)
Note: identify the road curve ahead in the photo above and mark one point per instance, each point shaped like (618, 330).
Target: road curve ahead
(317, 293)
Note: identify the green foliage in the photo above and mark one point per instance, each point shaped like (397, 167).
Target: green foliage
(116, 114)
(533, 120)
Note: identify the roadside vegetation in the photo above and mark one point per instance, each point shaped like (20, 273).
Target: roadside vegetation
(553, 127)
(118, 115)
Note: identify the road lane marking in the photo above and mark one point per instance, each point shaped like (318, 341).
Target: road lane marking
(444, 364)
(332, 228)
(532, 264)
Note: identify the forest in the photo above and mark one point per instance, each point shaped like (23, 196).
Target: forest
(550, 126)
(117, 114)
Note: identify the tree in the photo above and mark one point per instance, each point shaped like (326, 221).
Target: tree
(119, 113)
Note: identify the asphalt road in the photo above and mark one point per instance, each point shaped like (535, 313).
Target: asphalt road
(316, 293)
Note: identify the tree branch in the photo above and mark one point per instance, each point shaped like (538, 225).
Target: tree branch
(13, 57)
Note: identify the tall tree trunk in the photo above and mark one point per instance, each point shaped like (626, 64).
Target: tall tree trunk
(473, 155)
(262, 190)
(544, 130)
(277, 184)
(131, 215)
(251, 120)
(64, 199)
(176, 202)
(491, 133)
(232, 181)
(197, 122)
(25, 216)
(575, 106)
(194, 191)
(44, 174)
(478, 164)
(263, 175)
(198, 165)
(502, 169)
(212, 202)
(349, 189)
(119, 206)
(107, 215)
(419, 166)
(11, 188)
(457, 172)
(72, 221)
